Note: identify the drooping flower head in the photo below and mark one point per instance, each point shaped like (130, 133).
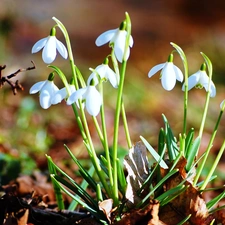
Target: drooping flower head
(169, 74)
(46, 89)
(200, 79)
(89, 96)
(117, 40)
(63, 94)
(104, 72)
(50, 47)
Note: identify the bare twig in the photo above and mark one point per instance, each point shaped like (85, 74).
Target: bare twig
(14, 85)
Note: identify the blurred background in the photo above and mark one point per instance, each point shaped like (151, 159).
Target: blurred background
(27, 132)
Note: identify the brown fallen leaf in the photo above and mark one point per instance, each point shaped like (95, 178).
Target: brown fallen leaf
(188, 202)
(145, 216)
(106, 207)
(137, 166)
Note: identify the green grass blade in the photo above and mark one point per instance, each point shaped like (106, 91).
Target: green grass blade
(158, 185)
(57, 191)
(82, 171)
(191, 154)
(214, 201)
(155, 155)
(188, 141)
(84, 185)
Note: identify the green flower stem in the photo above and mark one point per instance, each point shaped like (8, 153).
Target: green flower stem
(105, 139)
(92, 153)
(125, 124)
(184, 60)
(208, 148)
(209, 65)
(116, 132)
(126, 129)
(213, 166)
(117, 114)
(83, 117)
(69, 48)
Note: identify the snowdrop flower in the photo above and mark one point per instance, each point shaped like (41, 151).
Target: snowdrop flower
(169, 74)
(104, 72)
(47, 90)
(117, 37)
(93, 99)
(199, 80)
(222, 104)
(50, 44)
(62, 94)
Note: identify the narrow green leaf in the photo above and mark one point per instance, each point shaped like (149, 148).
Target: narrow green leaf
(188, 141)
(84, 185)
(57, 191)
(158, 185)
(170, 140)
(154, 153)
(192, 151)
(82, 170)
(161, 141)
(184, 220)
(121, 178)
(215, 200)
(96, 212)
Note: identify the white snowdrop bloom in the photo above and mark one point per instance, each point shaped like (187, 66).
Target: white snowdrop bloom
(199, 80)
(93, 99)
(50, 47)
(169, 74)
(62, 94)
(116, 37)
(105, 72)
(47, 90)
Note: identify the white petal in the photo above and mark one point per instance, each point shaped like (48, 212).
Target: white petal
(49, 51)
(93, 77)
(37, 87)
(39, 45)
(155, 69)
(112, 77)
(168, 78)
(131, 41)
(101, 70)
(193, 80)
(76, 95)
(62, 49)
(93, 101)
(212, 89)
(45, 99)
(119, 46)
(222, 103)
(178, 73)
(105, 37)
(59, 96)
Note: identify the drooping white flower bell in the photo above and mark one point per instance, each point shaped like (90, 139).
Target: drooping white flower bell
(169, 74)
(92, 98)
(50, 47)
(62, 94)
(117, 39)
(105, 73)
(47, 90)
(199, 80)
